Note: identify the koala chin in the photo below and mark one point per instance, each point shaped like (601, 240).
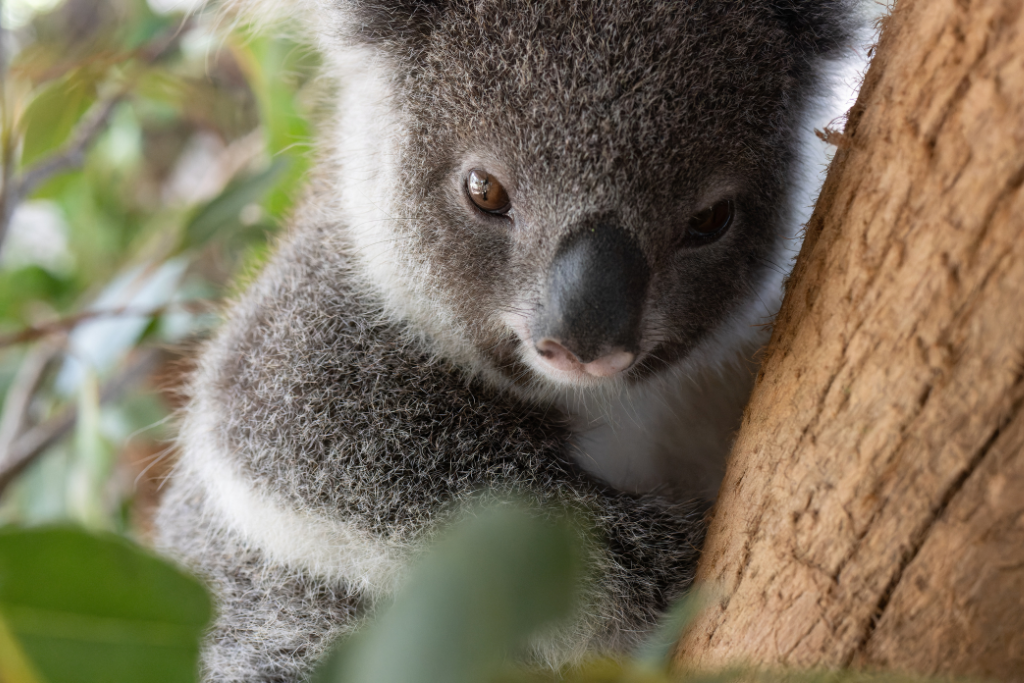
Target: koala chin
(537, 258)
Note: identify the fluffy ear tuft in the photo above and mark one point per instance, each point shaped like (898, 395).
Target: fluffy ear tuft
(820, 27)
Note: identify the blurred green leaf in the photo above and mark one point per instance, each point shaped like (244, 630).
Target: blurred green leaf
(53, 113)
(145, 27)
(500, 576)
(93, 459)
(14, 665)
(221, 216)
(656, 653)
(271, 67)
(98, 609)
(21, 287)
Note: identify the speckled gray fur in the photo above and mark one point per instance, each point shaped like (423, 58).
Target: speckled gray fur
(374, 377)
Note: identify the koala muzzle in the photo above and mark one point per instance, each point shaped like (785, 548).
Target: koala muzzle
(597, 285)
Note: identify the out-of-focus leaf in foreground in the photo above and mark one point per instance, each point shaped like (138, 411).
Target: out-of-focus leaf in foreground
(98, 609)
(14, 665)
(499, 577)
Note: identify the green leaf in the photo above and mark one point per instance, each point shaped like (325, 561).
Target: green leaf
(221, 215)
(270, 65)
(502, 575)
(94, 460)
(14, 666)
(656, 653)
(53, 113)
(20, 288)
(98, 609)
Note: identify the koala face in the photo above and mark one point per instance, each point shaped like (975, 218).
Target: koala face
(583, 193)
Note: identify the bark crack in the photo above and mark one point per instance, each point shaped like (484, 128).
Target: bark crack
(922, 535)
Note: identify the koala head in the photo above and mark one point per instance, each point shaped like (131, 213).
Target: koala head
(569, 193)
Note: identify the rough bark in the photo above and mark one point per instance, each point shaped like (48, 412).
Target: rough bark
(873, 511)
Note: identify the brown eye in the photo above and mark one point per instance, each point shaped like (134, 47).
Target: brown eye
(713, 221)
(486, 192)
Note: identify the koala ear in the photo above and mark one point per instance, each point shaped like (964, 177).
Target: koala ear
(820, 27)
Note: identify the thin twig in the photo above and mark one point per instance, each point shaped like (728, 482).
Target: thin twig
(40, 438)
(6, 148)
(19, 397)
(15, 189)
(72, 155)
(3, 47)
(30, 334)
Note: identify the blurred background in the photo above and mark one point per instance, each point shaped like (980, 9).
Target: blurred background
(148, 159)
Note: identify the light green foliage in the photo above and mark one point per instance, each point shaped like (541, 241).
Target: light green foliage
(131, 247)
(502, 576)
(98, 609)
(500, 579)
(55, 110)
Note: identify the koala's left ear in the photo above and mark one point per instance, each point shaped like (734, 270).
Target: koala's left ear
(820, 27)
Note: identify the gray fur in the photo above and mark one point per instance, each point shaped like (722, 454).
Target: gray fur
(375, 378)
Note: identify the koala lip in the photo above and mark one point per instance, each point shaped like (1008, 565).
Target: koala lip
(597, 286)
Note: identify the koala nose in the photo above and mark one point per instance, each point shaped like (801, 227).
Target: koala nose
(596, 290)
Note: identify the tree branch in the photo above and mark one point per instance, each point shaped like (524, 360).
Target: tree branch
(36, 332)
(72, 155)
(19, 397)
(40, 438)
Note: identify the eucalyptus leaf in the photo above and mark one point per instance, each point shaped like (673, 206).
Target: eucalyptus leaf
(271, 66)
(500, 577)
(656, 653)
(221, 215)
(98, 609)
(55, 111)
(14, 665)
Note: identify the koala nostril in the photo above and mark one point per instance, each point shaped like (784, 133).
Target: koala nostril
(561, 358)
(611, 364)
(557, 355)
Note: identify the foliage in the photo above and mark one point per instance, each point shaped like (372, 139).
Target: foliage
(87, 609)
(147, 156)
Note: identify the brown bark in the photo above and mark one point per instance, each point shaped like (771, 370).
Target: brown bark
(873, 510)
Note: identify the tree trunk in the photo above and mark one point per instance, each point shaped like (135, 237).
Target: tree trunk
(873, 511)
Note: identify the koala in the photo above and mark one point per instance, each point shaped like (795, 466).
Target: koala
(537, 259)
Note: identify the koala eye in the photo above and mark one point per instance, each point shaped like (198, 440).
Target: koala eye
(712, 221)
(486, 192)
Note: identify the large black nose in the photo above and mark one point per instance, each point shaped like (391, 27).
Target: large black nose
(596, 290)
